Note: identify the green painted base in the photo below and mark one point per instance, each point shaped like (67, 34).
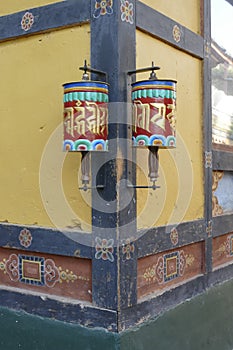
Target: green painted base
(26, 332)
(202, 323)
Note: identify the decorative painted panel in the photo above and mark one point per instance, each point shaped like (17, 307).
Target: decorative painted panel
(223, 250)
(222, 187)
(161, 271)
(44, 18)
(38, 239)
(216, 207)
(54, 275)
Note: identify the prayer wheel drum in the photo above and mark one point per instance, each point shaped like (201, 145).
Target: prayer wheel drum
(154, 121)
(85, 116)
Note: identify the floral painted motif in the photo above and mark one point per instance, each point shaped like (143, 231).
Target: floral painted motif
(216, 177)
(224, 249)
(104, 249)
(77, 253)
(25, 238)
(168, 267)
(51, 274)
(149, 275)
(183, 262)
(189, 260)
(126, 11)
(38, 271)
(128, 250)
(208, 159)
(12, 267)
(67, 276)
(176, 33)
(228, 246)
(159, 269)
(103, 7)
(3, 265)
(216, 207)
(174, 236)
(27, 21)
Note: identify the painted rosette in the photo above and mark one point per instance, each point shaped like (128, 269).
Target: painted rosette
(154, 120)
(85, 116)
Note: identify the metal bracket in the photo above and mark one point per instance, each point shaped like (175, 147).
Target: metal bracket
(85, 187)
(86, 69)
(146, 69)
(85, 170)
(153, 187)
(153, 164)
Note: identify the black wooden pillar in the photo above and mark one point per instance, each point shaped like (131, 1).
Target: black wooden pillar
(114, 207)
(207, 111)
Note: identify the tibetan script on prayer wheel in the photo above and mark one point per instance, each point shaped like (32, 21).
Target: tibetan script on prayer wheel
(85, 116)
(154, 120)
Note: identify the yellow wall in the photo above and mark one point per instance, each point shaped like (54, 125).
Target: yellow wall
(180, 197)
(186, 12)
(33, 70)
(12, 6)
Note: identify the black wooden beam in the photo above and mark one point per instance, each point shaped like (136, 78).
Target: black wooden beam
(113, 49)
(207, 133)
(161, 26)
(222, 161)
(154, 305)
(104, 46)
(47, 240)
(222, 224)
(127, 224)
(158, 239)
(157, 304)
(230, 2)
(63, 310)
(46, 18)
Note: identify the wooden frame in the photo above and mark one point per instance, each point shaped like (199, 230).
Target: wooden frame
(47, 18)
(160, 26)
